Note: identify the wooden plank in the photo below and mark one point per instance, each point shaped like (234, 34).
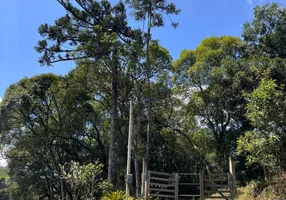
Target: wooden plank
(189, 195)
(216, 185)
(188, 174)
(147, 187)
(216, 191)
(218, 174)
(162, 190)
(216, 179)
(230, 183)
(143, 183)
(162, 185)
(163, 195)
(211, 175)
(202, 186)
(162, 179)
(189, 184)
(161, 173)
(177, 186)
(225, 179)
(233, 174)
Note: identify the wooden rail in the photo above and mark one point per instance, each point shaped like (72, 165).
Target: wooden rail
(199, 185)
(162, 185)
(219, 184)
(202, 186)
(189, 182)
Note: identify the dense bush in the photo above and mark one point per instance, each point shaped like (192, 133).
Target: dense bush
(274, 189)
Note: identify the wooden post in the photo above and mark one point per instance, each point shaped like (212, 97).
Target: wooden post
(202, 196)
(230, 185)
(233, 174)
(128, 170)
(147, 186)
(177, 178)
(144, 171)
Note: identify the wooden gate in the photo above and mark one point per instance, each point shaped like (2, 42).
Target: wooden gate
(216, 186)
(198, 186)
(162, 185)
(189, 186)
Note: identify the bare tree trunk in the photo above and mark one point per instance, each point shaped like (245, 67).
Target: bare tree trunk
(135, 148)
(149, 84)
(136, 139)
(137, 177)
(112, 145)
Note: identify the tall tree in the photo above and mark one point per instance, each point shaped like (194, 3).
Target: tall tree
(265, 34)
(212, 79)
(266, 110)
(91, 30)
(48, 121)
(153, 12)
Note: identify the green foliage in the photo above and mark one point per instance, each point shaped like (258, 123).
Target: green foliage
(259, 190)
(254, 143)
(3, 172)
(157, 9)
(89, 32)
(3, 183)
(116, 195)
(45, 123)
(83, 179)
(266, 110)
(251, 191)
(265, 34)
(93, 33)
(209, 78)
(225, 97)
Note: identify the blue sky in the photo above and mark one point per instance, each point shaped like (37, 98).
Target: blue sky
(19, 21)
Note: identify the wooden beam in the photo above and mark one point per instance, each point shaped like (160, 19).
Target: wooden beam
(202, 186)
(233, 174)
(177, 186)
(128, 170)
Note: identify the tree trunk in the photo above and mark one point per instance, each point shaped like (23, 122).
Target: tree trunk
(112, 145)
(136, 139)
(149, 84)
(135, 148)
(137, 177)
(222, 152)
(102, 149)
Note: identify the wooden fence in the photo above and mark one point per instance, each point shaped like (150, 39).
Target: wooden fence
(162, 185)
(216, 186)
(199, 186)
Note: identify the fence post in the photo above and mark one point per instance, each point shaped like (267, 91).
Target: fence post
(143, 177)
(230, 185)
(202, 196)
(177, 186)
(128, 165)
(233, 174)
(147, 186)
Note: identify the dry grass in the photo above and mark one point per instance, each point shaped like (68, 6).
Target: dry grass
(274, 190)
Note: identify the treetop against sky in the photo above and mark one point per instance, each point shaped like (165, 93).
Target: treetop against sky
(199, 19)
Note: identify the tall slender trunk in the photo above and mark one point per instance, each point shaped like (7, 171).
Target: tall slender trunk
(112, 145)
(102, 149)
(135, 146)
(137, 178)
(222, 152)
(148, 67)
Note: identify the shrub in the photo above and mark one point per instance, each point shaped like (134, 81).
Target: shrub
(272, 190)
(116, 195)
